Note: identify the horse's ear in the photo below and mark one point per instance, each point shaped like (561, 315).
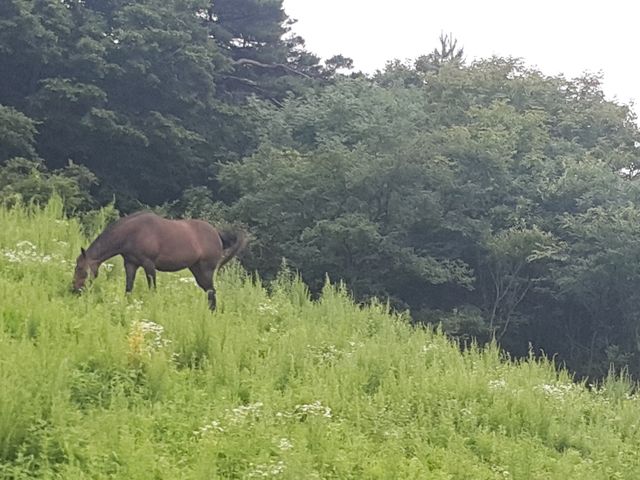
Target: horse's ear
(83, 252)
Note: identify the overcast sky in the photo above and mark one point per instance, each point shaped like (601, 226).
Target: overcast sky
(561, 36)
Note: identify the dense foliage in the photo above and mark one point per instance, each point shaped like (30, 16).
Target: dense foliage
(141, 93)
(486, 196)
(272, 385)
(489, 196)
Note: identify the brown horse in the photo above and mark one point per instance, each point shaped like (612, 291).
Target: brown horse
(154, 243)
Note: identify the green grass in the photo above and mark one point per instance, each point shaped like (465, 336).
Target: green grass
(271, 385)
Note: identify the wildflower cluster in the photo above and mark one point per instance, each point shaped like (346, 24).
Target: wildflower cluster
(243, 412)
(557, 391)
(428, 347)
(135, 304)
(285, 444)
(236, 416)
(500, 471)
(145, 337)
(213, 426)
(272, 469)
(304, 411)
(497, 384)
(27, 252)
(268, 308)
(327, 352)
(603, 395)
(314, 409)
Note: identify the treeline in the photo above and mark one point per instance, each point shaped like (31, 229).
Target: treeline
(487, 196)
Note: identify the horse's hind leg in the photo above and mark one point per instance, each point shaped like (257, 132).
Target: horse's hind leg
(150, 271)
(204, 279)
(211, 297)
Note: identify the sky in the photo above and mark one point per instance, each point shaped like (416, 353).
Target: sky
(558, 37)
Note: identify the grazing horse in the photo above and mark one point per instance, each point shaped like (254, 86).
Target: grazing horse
(154, 243)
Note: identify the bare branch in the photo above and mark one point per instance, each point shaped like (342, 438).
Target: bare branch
(272, 66)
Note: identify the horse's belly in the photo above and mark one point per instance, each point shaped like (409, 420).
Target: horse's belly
(164, 264)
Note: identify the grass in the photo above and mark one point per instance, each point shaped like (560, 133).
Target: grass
(273, 385)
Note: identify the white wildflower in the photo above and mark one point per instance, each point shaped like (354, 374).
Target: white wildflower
(354, 346)
(312, 409)
(27, 252)
(11, 256)
(325, 352)
(135, 305)
(272, 469)
(501, 471)
(558, 391)
(303, 411)
(497, 384)
(243, 412)
(156, 330)
(428, 347)
(213, 426)
(147, 336)
(235, 416)
(267, 308)
(285, 444)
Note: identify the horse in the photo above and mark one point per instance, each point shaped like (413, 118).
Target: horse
(154, 243)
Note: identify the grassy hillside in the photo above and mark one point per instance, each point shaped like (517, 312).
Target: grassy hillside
(272, 385)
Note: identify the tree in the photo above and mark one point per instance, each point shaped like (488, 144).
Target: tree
(24, 180)
(448, 53)
(450, 194)
(517, 261)
(17, 134)
(349, 195)
(128, 90)
(266, 59)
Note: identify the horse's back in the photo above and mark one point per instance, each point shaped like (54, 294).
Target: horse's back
(146, 224)
(170, 244)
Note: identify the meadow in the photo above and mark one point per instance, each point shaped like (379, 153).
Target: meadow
(272, 385)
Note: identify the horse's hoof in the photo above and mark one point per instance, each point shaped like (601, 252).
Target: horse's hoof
(212, 300)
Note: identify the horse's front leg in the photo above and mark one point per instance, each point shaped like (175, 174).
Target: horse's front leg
(130, 272)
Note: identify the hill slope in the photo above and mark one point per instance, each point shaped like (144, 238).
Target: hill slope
(272, 385)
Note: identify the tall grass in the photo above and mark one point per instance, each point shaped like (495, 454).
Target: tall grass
(154, 386)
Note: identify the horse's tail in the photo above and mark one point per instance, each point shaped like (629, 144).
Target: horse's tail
(234, 241)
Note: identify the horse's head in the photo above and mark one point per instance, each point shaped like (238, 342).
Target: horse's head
(85, 267)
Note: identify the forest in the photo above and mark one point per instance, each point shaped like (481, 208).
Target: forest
(484, 196)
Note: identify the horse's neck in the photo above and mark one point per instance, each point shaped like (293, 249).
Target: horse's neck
(103, 247)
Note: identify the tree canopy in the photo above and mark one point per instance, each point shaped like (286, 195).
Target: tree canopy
(465, 194)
